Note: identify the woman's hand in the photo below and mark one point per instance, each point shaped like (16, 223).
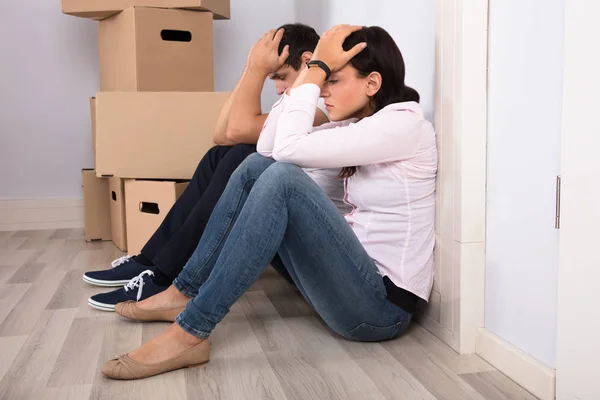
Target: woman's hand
(330, 50)
(264, 55)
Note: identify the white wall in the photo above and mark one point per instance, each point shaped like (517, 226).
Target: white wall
(524, 122)
(48, 70)
(314, 13)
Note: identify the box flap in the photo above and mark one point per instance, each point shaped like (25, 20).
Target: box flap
(117, 212)
(100, 9)
(96, 206)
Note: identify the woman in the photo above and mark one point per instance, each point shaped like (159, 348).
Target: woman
(363, 273)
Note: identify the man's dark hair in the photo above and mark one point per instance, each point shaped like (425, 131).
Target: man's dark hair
(301, 38)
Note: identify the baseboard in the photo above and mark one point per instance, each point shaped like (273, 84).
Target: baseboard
(39, 214)
(439, 331)
(534, 376)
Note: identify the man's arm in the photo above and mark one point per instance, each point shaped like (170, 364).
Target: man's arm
(241, 118)
(246, 118)
(220, 132)
(266, 140)
(225, 133)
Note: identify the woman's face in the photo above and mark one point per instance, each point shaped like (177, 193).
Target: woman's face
(346, 95)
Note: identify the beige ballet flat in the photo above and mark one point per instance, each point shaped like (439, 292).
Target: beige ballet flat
(124, 368)
(130, 310)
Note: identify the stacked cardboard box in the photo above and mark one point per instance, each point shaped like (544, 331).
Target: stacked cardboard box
(153, 119)
(100, 9)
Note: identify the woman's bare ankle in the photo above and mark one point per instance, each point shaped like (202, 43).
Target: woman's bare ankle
(170, 298)
(184, 337)
(176, 296)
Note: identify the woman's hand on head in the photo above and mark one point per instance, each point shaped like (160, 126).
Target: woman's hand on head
(330, 51)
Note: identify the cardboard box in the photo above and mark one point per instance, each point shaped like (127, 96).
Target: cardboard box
(117, 212)
(147, 204)
(100, 9)
(96, 206)
(152, 49)
(93, 118)
(154, 135)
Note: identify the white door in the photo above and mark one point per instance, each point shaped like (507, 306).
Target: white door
(525, 48)
(577, 370)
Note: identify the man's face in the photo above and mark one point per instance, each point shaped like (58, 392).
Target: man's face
(284, 78)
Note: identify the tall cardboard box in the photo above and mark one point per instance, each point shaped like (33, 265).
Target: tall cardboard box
(154, 135)
(154, 49)
(147, 204)
(100, 9)
(96, 207)
(117, 212)
(93, 117)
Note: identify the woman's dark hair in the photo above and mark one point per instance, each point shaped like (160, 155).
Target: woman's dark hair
(301, 38)
(381, 55)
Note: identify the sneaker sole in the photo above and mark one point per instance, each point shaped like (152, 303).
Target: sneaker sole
(101, 306)
(97, 282)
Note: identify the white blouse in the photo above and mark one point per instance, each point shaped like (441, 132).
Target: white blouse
(392, 194)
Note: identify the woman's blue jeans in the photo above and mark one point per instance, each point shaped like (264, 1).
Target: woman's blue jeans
(272, 207)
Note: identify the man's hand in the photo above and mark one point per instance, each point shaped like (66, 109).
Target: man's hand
(264, 55)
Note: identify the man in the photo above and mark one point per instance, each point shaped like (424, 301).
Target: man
(279, 55)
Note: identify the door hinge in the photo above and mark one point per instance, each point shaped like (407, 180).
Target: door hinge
(557, 216)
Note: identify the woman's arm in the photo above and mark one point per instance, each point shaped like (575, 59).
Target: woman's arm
(266, 140)
(390, 135)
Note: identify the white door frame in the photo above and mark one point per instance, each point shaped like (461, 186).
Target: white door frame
(461, 122)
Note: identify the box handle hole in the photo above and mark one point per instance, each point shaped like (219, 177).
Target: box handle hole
(114, 196)
(171, 35)
(149, 208)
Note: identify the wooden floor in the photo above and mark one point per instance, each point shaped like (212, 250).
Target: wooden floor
(271, 345)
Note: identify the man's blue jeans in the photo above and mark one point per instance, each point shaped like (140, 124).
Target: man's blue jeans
(271, 207)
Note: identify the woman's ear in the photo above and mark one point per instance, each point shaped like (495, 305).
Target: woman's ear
(306, 57)
(374, 82)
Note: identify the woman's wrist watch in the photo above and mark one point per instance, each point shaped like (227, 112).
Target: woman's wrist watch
(322, 65)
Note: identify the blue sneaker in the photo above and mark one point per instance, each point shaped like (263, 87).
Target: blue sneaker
(139, 288)
(123, 270)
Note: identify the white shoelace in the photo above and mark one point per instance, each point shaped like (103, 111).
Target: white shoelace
(120, 261)
(138, 282)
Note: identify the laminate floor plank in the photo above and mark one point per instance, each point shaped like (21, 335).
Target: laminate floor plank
(271, 345)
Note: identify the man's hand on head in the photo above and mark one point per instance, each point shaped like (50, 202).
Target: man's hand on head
(264, 55)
